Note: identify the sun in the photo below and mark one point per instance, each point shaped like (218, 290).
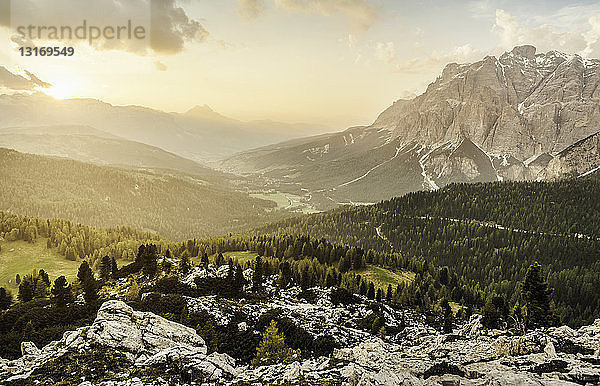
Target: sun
(57, 92)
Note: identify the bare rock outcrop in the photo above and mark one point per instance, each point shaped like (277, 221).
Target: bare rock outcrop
(142, 337)
(175, 355)
(578, 159)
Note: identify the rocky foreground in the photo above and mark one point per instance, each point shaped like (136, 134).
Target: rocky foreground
(127, 347)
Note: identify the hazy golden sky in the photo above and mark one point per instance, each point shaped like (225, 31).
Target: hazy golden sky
(333, 62)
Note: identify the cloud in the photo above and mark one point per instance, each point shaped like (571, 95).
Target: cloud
(21, 41)
(251, 9)
(437, 60)
(160, 66)
(409, 94)
(480, 9)
(385, 52)
(166, 27)
(545, 37)
(171, 28)
(359, 14)
(593, 37)
(5, 13)
(16, 82)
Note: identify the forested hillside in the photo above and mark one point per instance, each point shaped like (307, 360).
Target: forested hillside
(75, 241)
(174, 206)
(177, 267)
(489, 234)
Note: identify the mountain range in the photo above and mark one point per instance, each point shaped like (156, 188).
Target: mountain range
(199, 134)
(521, 116)
(84, 143)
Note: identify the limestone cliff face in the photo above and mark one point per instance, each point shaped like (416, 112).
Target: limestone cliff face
(521, 104)
(578, 159)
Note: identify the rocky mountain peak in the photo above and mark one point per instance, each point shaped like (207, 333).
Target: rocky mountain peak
(526, 51)
(203, 112)
(521, 104)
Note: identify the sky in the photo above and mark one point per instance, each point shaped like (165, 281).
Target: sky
(337, 63)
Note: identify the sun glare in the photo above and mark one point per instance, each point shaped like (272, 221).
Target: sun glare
(58, 92)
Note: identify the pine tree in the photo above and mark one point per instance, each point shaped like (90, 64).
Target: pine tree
(44, 276)
(345, 263)
(257, 275)
(41, 284)
(184, 262)
(230, 272)
(207, 332)
(358, 262)
(114, 268)
(147, 258)
(238, 280)
(495, 312)
(6, 299)
(133, 293)
(88, 283)
(84, 272)
(105, 268)
(444, 275)
(329, 280)
(219, 259)
(272, 348)
(377, 325)
(536, 297)
(61, 292)
(371, 291)
(363, 288)
(285, 274)
(447, 316)
(390, 293)
(26, 289)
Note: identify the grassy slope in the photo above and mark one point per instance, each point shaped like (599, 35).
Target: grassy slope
(239, 257)
(22, 257)
(382, 277)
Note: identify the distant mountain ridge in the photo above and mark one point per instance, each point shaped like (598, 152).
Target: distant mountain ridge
(504, 118)
(87, 144)
(200, 134)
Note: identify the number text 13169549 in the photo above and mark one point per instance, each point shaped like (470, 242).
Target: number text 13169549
(47, 51)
